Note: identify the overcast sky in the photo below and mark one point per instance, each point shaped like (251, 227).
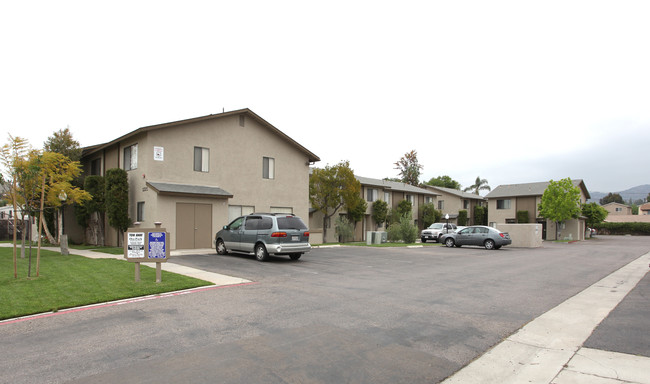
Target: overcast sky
(511, 91)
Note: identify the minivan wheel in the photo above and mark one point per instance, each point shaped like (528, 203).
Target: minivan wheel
(489, 244)
(260, 252)
(221, 247)
(449, 242)
(295, 256)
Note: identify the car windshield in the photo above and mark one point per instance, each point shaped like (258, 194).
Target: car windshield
(290, 222)
(436, 226)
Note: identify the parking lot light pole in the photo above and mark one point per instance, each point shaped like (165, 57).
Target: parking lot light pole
(447, 225)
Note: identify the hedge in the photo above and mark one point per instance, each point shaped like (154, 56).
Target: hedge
(623, 228)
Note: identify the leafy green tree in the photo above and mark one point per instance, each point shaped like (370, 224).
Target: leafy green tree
(409, 168)
(331, 188)
(357, 210)
(91, 214)
(444, 181)
(594, 213)
(117, 199)
(62, 142)
(404, 208)
(560, 202)
(478, 186)
(430, 214)
(612, 198)
(379, 212)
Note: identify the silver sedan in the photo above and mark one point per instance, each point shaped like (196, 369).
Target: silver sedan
(488, 237)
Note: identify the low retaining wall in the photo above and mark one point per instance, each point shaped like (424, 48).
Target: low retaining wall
(523, 235)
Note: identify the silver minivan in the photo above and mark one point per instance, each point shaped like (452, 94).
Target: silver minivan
(264, 234)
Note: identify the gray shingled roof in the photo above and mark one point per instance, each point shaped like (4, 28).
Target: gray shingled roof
(186, 189)
(394, 185)
(528, 189)
(456, 192)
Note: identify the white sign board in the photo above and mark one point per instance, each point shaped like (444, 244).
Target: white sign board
(135, 245)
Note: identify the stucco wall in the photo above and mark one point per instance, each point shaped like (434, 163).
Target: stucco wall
(523, 235)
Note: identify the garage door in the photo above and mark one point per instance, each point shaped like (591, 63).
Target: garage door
(193, 226)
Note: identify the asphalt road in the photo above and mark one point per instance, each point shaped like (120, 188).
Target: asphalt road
(338, 315)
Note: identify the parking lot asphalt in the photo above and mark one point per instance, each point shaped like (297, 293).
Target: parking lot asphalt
(362, 315)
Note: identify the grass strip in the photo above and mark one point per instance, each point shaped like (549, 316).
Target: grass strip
(72, 281)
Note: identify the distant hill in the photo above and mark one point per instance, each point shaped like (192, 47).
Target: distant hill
(634, 193)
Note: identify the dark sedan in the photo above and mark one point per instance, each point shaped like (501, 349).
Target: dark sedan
(488, 237)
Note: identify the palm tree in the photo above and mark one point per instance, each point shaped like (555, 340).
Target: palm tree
(479, 185)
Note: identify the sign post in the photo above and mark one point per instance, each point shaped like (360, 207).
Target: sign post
(147, 245)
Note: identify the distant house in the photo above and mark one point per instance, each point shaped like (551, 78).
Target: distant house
(644, 209)
(451, 201)
(506, 200)
(617, 209)
(197, 175)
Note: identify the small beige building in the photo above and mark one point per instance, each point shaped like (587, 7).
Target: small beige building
(617, 209)
(506, 200)
(196, 175)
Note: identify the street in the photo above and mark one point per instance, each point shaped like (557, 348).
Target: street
(344, 314)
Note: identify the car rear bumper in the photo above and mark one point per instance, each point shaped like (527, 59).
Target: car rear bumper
(284, 249)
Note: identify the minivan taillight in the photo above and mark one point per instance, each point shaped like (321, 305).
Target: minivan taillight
(279, 234)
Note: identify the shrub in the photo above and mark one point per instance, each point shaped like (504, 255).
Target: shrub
(522, 217)
(480, 215)
(462, 217)
(430, 215)
(408, 230)
(344, 228)
(642, 229)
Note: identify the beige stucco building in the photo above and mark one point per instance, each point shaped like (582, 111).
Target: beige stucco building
(617, 209)
(452, 201)
(196, 175)
(505, 200)
(372, 190)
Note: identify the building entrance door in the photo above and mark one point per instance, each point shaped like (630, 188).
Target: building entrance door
(193, 226)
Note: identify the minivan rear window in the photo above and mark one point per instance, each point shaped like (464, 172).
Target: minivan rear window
(291, 222)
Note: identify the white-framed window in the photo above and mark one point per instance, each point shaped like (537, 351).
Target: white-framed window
(503, 204)
(371, 194)
(465, 204)
(387, 198)
(234, 211)
(268, 168)
(429, 200)
(441, 204)
(96, 167)
(131, 157)
(287, 210)
(410, 199)
(201, 159)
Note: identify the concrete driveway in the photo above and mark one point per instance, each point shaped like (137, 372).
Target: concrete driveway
(356, 315)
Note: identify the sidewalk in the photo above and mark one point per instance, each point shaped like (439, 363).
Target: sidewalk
(549, 349)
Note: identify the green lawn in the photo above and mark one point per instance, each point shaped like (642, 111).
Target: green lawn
(71, 281)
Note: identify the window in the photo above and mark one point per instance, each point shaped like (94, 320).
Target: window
(140, 213)
(618, 209)
(387, 198)
(429, 200)
(287, 210)
(201, 159)
(465, 204)
(371, 194)
(131, 157)
(96, 167)
(242, 120)
(503, 204)
(441, 204)
(234, 211)
(410, 199)
(268, 168)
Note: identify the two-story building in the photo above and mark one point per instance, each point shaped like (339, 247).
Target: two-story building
(196, 175)
(451, 201)
(506, 200)
(391, 192)
(617, 209)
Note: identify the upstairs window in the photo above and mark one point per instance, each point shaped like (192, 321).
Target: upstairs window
(201, 159)
(96, 167)
(131, 157)
(441, 204)
(140, 213)
(387, 197)
(371, 194)
(268, 168)
(503, 204)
